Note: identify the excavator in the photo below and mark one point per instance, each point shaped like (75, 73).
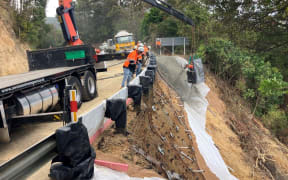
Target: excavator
(170, 10)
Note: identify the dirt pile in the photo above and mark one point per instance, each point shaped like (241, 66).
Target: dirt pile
(247, 147)
(160, 141)
(12, 53)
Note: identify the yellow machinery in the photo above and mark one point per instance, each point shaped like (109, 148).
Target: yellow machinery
(124, 42)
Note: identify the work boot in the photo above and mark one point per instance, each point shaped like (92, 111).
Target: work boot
(121, 131)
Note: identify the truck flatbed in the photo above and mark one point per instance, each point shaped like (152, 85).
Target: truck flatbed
(13, 82)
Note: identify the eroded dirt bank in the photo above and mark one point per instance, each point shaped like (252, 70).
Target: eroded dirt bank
(247, 147)
(13, 57)
(160, 140)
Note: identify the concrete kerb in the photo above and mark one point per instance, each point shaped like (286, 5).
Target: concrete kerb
(96, 123)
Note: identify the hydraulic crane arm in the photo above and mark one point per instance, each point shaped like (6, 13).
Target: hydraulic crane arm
(65, 13)
(168, 9)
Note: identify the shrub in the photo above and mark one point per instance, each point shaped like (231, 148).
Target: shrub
(258, 81)
(276, 120)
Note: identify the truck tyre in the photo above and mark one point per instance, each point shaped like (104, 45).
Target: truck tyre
(89, 86)
(76, 85)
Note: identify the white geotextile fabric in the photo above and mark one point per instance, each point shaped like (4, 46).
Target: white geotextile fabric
(196, 108)
(206, 146)
(102, 173)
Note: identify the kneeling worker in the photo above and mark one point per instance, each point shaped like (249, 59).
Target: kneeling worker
(129, 67)
(139, 60)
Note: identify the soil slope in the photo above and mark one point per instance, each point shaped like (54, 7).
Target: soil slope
(12, 53)
(159, 139)
(245, 145)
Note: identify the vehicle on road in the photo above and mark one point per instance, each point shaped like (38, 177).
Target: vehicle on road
(41, 90)
(124, 42)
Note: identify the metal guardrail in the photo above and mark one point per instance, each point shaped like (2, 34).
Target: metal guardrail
(23, 165)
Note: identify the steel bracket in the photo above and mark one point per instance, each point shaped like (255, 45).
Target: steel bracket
(3, 116)
(4, 131)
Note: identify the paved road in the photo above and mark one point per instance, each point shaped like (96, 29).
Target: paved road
(26, 135)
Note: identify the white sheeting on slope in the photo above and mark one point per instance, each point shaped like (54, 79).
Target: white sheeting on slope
(196, 110)
(103, 173)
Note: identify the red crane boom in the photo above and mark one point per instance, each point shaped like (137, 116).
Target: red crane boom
(65, 13)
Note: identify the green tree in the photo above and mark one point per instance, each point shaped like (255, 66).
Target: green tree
(30, 22)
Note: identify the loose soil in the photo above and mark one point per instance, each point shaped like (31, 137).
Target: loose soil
(160, 141)
(13, 58)
(246, 146)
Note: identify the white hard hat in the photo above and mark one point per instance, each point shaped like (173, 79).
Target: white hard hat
(141, 49)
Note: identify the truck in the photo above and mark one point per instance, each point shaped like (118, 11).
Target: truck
(119, 47)
(40, 92)
(124, 42)
(108, 47)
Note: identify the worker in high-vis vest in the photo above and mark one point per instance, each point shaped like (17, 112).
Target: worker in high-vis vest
(146, 54)
(129, 66)
(139, 60)
(191, 74)
(146, 50)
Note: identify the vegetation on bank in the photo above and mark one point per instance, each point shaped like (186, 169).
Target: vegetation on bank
(29, 22)
(243, 42)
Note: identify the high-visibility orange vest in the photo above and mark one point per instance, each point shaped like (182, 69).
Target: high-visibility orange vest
(131, 59)
(190, 66)
(145, 50)
(133, 55)
(126, 64)
(158, 43)
(140, 57)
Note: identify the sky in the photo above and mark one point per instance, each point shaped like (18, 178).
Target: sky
(51, 8)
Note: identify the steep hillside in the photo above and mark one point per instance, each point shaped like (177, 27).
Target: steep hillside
(12, 53)
(245, 144)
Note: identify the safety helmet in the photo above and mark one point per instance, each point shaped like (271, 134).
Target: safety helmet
(141, 49)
